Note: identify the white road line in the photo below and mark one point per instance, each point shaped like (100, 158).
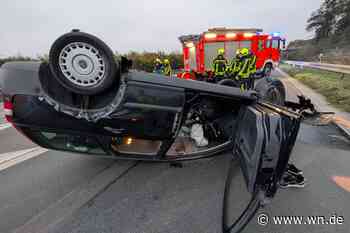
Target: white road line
(12, 158)
(51, 218)
(5, 126)
(4, 157)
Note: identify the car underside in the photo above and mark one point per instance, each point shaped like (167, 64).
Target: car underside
(84, 101)
(145, 108)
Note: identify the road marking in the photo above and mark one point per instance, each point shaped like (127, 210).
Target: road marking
(342, 121)
(12, 158)
(343, 182)
(52, 217)
(5, 126)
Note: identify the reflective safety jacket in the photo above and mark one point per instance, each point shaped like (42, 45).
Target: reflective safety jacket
(219, 65)
(167, 70)
(233, 68)
(243, 67)
(252, 65)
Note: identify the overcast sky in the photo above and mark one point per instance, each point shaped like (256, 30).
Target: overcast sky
(29, 27)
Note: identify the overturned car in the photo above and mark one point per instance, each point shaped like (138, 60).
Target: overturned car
(85, 101)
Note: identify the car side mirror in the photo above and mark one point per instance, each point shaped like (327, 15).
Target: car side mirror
(283, 45)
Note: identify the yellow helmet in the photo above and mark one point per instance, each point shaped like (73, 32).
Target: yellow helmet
(158, 60)
(221, 51)
(166, 61)
(244, 51)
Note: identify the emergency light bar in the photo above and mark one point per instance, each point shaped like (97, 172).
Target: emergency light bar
(231, 35)
(234, 30)
(210, 35)
(248, 34)
(189, 44)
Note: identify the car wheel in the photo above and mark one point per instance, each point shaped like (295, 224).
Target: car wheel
(82, 63)
(267, 70)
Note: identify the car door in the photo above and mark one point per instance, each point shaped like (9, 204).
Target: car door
(264, 138)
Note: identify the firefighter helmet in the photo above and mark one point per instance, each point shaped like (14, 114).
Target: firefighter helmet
(244, 51)
(166, 61)
(221, 51)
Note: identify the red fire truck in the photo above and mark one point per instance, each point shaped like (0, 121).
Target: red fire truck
(200, 50)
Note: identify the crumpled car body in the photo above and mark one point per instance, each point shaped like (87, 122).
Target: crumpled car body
(150, 117)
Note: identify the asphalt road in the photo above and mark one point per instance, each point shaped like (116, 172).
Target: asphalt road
(66, 193)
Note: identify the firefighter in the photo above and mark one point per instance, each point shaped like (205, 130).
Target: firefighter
(243, 69)
(167, 68)
(158, 66)
(219, 65)
(232, 68)
(252, 69)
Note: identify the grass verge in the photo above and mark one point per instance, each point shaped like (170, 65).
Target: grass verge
(334, 86)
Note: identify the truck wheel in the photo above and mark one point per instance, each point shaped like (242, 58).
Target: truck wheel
(267, 70)
(82, 63)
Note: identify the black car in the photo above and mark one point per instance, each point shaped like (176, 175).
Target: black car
(84, 100)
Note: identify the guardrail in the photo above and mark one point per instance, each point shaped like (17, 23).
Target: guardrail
(343, 69)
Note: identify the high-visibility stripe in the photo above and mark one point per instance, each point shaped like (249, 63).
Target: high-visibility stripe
(244, 70)
(253, 64)
(219, 66)
(167, 70)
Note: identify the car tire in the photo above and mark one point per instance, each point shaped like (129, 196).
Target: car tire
(82, 63)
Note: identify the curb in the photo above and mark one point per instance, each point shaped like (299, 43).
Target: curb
(343, 129)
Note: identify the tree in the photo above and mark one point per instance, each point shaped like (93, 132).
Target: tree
(323, 21)
(145, 60)
(15, 58)
(43, 58)
(343, 22)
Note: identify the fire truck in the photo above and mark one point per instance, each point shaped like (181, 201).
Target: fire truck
(200, 50)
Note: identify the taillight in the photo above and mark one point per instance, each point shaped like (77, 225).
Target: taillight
(8, 110)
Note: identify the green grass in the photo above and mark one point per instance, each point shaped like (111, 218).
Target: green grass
(332, 85)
